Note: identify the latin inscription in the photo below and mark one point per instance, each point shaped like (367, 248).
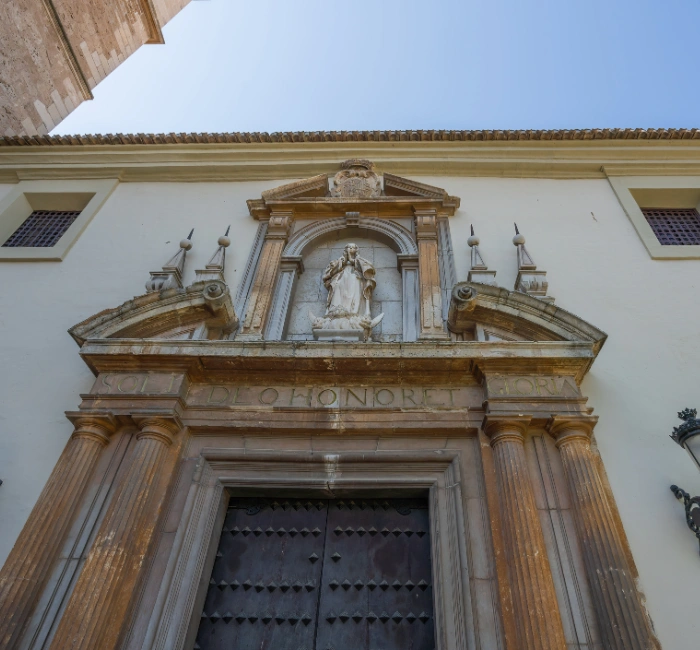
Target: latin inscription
(388, 397)
(530, 386)
(142, 383)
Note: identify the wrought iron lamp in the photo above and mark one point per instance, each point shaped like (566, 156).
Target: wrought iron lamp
(687, 435)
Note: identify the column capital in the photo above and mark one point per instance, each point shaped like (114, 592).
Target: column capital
(570, 427)
(279, 225)
(502, 427)
(406, 261)
(98, 426)
(426, 224)
(157, 426)
(293, 263)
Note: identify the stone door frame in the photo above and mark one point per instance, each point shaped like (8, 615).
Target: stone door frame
(222, 473)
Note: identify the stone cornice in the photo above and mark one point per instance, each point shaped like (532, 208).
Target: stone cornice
(299, 361)
(240, 157)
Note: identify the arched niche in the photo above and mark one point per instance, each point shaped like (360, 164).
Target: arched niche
(309, 250)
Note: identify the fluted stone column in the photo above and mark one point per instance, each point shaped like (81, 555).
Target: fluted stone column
(100, 604)
(621, 616)
(28, 566)
(535, 606)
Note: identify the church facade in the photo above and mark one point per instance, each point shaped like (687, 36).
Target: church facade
(374, 390)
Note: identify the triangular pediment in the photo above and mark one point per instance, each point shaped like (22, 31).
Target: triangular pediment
(398, 186)
(356, 187)
(316, 186)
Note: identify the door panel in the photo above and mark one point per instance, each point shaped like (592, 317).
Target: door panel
(376, 592)
(265, 583)
(321, 575)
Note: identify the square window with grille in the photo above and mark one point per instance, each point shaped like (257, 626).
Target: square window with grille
(42, 229)
(674, 226)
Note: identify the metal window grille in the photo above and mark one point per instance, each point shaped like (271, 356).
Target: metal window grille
(42, 229)
(673, 226)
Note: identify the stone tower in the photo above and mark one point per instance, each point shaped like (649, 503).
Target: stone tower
(54, 52)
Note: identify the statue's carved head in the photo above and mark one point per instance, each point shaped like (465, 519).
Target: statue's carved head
(350, 252)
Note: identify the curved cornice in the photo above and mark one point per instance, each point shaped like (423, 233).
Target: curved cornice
(401, 237)
(155, 315)
(519, 313)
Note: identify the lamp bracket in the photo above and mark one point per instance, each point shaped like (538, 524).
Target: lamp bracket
(692, 509)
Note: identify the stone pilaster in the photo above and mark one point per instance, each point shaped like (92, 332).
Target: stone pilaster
(28, 566)
(621, 615)
(100, 605)
(535, 606)
(261, 292)
(431, 321)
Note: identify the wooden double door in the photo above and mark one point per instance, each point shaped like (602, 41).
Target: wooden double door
(312, 574)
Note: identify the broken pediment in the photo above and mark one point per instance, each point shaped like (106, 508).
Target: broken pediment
(357, 186)
(203, 310)
(504, 315)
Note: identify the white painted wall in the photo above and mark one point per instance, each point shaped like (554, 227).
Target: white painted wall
(576, 230)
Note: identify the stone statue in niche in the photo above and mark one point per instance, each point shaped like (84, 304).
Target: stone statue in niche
(350, 282)
(356, 180)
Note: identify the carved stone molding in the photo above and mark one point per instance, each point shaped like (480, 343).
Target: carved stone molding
(402, 239)
(156, 315)
(220, 472)
(623, 621)
(291, 266)
(261, 293)
(28, 567)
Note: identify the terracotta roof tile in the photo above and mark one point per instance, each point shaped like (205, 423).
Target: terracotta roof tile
(349, 136)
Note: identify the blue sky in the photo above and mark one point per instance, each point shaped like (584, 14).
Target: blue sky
(278, 65)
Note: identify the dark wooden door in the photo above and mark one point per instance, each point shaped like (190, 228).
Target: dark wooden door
(349, 574)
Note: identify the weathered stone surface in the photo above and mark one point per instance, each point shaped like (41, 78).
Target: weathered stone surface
(624, 624)
(261, 292)
(104, 595)
(534, 600)
(28, 566)
(56, 51)
(431, 322)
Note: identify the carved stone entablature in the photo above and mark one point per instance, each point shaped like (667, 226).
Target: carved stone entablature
(175, 313)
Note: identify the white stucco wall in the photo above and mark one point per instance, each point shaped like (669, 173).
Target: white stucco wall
(576, 230)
